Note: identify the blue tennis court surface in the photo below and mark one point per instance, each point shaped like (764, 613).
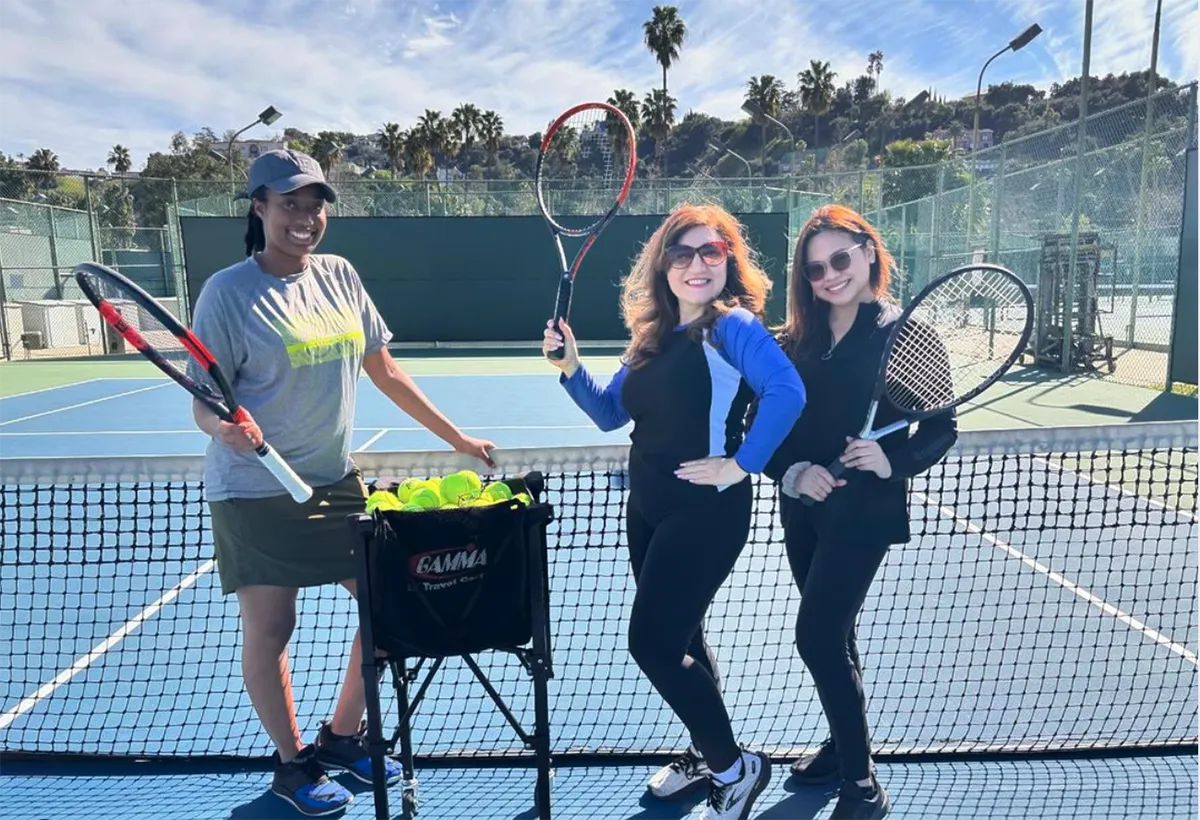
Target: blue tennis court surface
(1068, 620)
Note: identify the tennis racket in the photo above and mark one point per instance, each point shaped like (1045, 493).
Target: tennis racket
(161, 338)
(960, 334)
(585, 167)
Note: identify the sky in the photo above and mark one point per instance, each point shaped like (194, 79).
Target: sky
(78, 76)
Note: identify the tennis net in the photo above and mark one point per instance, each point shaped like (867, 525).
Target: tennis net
(1047, 602)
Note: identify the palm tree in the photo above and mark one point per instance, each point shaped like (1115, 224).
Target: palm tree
(491, 131)
(465, 120)
(664, 35)
(326, 150)
(658, 112)
(417, 154)
(43, 159)
(816, 94)
(120, 159)
(767, 93)
(626, 101)
(391, 142)
(875, 66)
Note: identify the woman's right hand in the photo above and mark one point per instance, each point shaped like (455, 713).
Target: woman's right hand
(554, 339)
(242, 437)
(816, 483)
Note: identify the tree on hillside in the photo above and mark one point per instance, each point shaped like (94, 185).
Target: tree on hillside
(658, 112)
(391, 142)
(664, 36)
(767, 92)
(119, 159)
(816, 95)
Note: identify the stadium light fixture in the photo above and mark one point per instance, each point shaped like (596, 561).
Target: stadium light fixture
(1016, 44)
(755, 110)
(268, 116)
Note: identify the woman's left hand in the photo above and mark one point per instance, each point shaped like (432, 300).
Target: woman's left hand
(868, 456)
(477, 447)
(714, 471)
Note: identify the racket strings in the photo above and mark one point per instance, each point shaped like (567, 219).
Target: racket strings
(955, 340)
(588, 160)
(156, 335)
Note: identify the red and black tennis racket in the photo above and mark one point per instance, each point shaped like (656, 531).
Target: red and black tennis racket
(584, 170)
(960, 334)
(175, 350)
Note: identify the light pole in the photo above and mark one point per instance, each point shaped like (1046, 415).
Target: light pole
(722, 148)
(755, 110)
(268, 116)
(1015, 45)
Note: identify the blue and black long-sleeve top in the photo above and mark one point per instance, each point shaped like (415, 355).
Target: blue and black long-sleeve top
(690, 401)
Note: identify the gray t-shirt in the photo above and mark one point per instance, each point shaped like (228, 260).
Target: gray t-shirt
(292, 349)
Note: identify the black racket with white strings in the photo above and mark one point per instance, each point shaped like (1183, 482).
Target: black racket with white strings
(960, 334)
(160, 337)
(585, 167)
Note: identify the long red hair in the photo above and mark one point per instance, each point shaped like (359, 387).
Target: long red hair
(808, 318)
(651, 311)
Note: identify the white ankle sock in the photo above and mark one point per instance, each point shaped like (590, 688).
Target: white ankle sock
(731, 774)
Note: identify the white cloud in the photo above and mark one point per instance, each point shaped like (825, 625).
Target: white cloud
(86, 75)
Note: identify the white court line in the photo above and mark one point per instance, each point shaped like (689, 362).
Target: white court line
(98, 651)
(1064, 582)
(82, 404)
(47, 389)
(371, 441)
(1118, 488)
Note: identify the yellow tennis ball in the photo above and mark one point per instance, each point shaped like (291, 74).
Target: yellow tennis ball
(425, 498)
(524, 498)
(405, 490)
(382, 500)
(497, 491)
(410, 507)
(458, 488)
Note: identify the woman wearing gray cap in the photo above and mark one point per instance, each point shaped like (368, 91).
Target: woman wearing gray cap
(294, 328)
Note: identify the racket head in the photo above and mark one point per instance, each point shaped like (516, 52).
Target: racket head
(144, 323)
(960, 334)
(585, 167)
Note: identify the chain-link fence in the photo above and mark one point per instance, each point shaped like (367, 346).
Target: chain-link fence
(1014, 204)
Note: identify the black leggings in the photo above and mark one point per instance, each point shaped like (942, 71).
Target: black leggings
(833, 578)
(679, 560)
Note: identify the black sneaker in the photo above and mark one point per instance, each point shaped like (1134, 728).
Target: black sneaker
(303, 783)
(821, 766)
(349, 752)
(858, 803)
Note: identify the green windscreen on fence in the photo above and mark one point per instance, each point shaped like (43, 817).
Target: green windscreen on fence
(480, 279)
(1187, 300)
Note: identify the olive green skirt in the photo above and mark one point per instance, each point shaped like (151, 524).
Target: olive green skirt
(276, 542)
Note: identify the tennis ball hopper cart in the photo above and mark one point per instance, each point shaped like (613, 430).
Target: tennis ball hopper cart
(450, 582)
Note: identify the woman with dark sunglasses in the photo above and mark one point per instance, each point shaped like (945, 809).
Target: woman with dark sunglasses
(840, 312)
(698, 354)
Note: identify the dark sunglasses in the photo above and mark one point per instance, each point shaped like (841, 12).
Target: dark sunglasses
(839, 261)
(711, 253)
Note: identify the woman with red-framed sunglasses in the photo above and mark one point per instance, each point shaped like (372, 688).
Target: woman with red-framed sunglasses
(699, 353)
(840, 312)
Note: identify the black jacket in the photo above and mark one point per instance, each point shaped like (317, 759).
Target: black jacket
(839, 386)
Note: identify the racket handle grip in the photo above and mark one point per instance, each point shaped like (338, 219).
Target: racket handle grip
(296, 486)
(562, 309)
(836, 469)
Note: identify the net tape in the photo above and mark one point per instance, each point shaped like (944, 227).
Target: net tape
(1046, 602)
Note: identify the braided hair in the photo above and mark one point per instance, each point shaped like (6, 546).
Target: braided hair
(256, 235)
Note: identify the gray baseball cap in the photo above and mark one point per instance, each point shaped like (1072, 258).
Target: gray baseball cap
(284, 171)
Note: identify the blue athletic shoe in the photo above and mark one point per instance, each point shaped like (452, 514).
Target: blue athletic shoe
(349, 752)
(303, 783)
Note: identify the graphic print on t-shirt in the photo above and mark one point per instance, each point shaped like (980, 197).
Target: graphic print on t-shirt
(320, 337)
